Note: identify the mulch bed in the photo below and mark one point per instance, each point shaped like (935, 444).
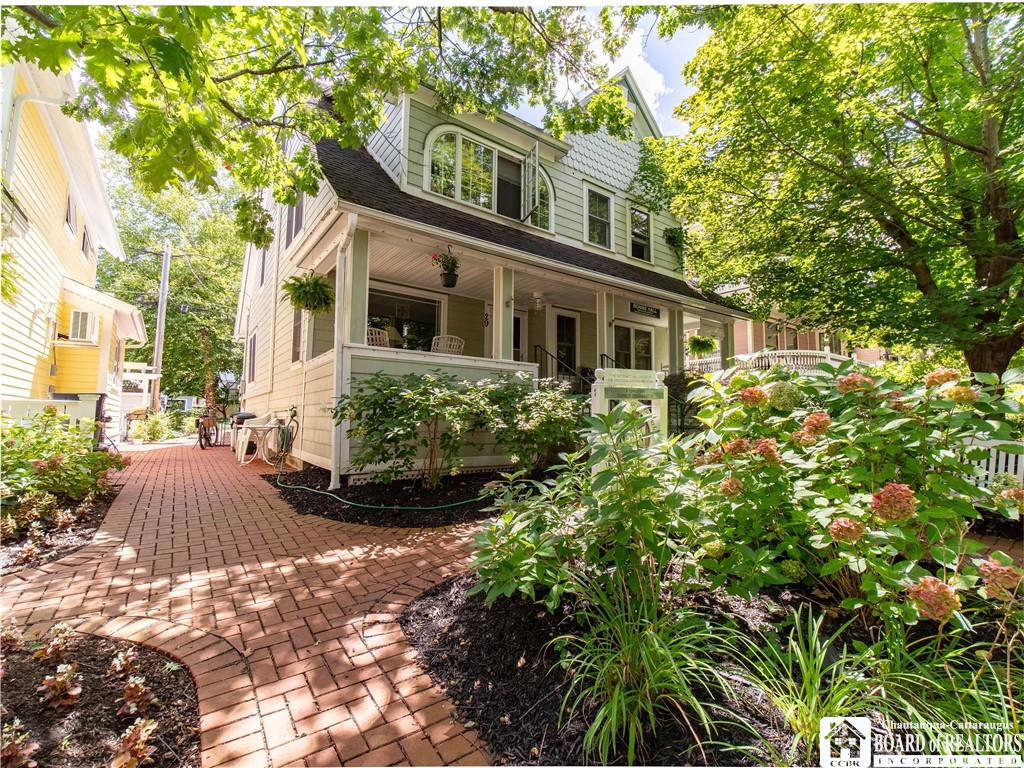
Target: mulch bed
(14, 555)
(991, 523)
(401, 493)
(86, 733)
(499, 668)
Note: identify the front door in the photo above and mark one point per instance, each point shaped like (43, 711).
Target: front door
(565, 343)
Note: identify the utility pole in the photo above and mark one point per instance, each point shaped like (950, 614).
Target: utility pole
(161, 317)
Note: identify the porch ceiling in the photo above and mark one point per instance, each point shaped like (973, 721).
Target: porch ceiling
(402, 265)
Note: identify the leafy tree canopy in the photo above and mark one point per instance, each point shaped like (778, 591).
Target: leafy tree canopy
(205, 276)
(189, 90)
(861, 166)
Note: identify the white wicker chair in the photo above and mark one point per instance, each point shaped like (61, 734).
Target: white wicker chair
(245, 435)
(377, 337)
(448, 345)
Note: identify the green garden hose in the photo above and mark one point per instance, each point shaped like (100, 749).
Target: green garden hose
(287, 439)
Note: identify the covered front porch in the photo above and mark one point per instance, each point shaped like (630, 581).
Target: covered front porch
(506, 313)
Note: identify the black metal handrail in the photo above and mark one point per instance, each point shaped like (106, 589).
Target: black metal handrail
(607, 361)
(546, 361)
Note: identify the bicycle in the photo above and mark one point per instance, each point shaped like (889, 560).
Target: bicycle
(206, 429)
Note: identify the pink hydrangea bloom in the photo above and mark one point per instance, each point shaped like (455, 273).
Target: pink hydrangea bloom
(737, 447)
(854, 382)
(1000, 580)
(713, 456)
(803, 437)
(934, 598)
(894, 502)
(40, 464)
(732, 486)
(940, 376)
(768, 450)
(817, 423)
(845, 529)
(753, 397)
(962, 395)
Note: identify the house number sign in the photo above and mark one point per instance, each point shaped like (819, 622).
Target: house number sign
(642, 309)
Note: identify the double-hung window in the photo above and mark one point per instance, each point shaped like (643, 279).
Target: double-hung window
(251, 372)
(640, 234)
(293, 224)
(599, 218)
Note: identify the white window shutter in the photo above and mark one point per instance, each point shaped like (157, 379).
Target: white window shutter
(84, 326)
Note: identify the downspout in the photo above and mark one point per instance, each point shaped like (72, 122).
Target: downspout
(340, 307)
(12, 141)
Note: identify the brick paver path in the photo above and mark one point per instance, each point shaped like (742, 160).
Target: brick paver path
(287, 622)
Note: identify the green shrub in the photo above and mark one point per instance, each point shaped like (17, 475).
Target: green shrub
(531, 424)
(399, 422)
(47, 454)
(423, 421)
(613, 506)
(154, 428)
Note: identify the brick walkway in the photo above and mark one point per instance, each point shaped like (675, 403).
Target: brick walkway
(287, 622)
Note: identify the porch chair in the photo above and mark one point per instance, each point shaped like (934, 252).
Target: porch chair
(449, 345)
(376, 337)
(245, 435)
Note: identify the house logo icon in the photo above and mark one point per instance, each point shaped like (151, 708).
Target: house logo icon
(845, 742)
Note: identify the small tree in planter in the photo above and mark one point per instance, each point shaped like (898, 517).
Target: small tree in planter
(311, 291)
(699, 346)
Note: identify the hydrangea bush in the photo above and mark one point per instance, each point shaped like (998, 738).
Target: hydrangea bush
(44, 456)
(855, 486)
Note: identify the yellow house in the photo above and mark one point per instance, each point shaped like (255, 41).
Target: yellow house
(61, 340)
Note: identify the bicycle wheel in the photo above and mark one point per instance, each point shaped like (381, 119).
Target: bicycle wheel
(213, 435)
(203, 439)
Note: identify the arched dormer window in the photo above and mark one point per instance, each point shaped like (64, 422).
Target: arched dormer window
(463, 167)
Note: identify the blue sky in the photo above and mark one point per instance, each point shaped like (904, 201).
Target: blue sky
(657, 65)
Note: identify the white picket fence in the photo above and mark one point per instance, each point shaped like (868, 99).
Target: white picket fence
(998, 463)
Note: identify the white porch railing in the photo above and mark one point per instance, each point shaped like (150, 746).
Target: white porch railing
(708, 364)
(796, 359)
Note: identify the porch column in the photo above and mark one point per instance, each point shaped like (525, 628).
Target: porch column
(676, 355)
(728, 344)
(605, 331)
(504, 314)
(358, 286)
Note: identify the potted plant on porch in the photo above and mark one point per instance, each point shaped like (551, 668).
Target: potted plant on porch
(310, 291)
(699, 346)
(448, 263)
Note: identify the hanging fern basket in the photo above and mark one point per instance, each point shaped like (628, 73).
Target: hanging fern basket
(698, 346)
(311, 292)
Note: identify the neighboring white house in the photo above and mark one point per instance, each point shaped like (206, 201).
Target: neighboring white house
(561, 272)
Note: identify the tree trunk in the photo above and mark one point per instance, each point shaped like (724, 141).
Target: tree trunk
(209, 376)
(993, 355)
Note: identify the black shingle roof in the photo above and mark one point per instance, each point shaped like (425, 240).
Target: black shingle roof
(357, 178)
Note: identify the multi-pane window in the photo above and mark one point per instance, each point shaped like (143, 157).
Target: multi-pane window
(640, 234)
(263, 266)
(477, 174)
(599, 219)
(542, 216)
(634, 347)
(411, 322)
(462, 168)
(443, 165)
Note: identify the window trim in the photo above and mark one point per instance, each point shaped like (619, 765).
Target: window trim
(587, 189)
(291, 236)
(90, 252)
(650, 232)
(512, 154)
(263, 266)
